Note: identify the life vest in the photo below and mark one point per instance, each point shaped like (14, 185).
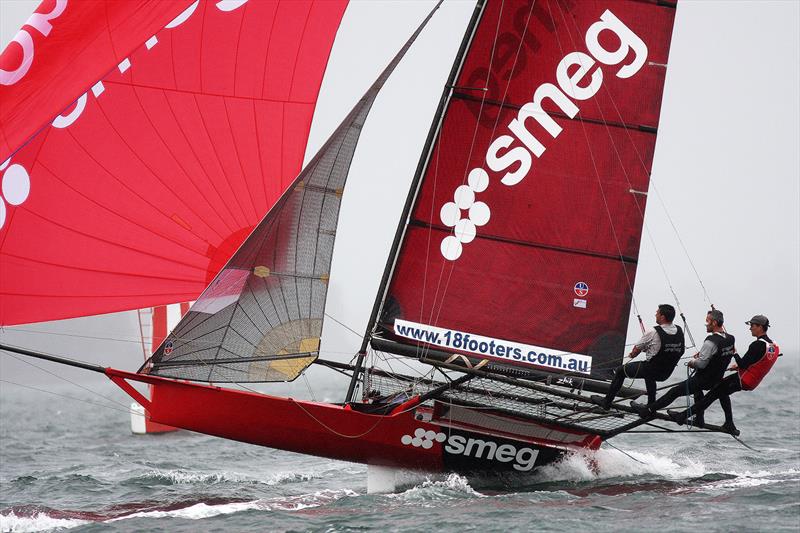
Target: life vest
(666, 359)
(715, 369)
(751, 376)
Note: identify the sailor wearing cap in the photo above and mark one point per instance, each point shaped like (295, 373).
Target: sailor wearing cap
(750, 370)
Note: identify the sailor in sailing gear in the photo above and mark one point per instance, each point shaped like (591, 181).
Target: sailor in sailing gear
(750, 370)
(709, 363)
(663, 347)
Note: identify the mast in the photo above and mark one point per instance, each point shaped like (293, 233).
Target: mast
(413, 191)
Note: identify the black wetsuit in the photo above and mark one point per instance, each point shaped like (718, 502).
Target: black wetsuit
(657, 368)
(704, 378)
(731, 383)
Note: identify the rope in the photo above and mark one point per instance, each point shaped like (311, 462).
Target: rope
(65, 379)
(688, 331)
(308, 386)
(745, 445)
(466, 169)
(345, 326)
(631, 188)
(330, 429)
(688, 402)
(105, 406)
(597, 172)
(467, 363)
(625, 453)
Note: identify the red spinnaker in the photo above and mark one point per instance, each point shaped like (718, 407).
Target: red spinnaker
(146, 139)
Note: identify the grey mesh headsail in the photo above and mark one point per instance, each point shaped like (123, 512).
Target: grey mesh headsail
(260, 319)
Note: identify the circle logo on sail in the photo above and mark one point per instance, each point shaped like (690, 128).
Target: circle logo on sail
(581, 289)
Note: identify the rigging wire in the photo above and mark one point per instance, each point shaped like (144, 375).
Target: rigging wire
(661, 201)
(463, 178)
(345, 326)
(625, 453)
(597, 174)
(658, 196)
(308, 386)
(475, 133)
(103, 405)
(17, 329)
(64, 379)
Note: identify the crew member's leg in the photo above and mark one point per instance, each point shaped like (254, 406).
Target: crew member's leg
(650, 385)
(698, 415)
(727, 386)
(725, 403)
(632, 370)
(679, 389)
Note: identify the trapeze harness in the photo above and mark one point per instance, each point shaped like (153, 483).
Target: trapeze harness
(662, 364)
(751, 376)
(713, 372)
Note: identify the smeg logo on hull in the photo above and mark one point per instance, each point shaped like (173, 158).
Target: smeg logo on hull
(523, 459)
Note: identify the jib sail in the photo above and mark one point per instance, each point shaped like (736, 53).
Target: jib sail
(261, 318)
(142, 141)
(522, 242)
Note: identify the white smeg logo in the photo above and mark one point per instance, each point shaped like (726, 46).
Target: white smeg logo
(524, 458)
(39, 22)
(423, 438)
(571, 71)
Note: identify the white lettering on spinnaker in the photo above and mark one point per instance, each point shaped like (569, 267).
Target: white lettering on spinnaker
(41, 23)
(15, 181)
(579, 78)
(499, 349)
(524, 458)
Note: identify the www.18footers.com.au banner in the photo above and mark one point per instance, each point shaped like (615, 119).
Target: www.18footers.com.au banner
(499, 349)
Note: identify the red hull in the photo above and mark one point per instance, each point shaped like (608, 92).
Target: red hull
(155, 427)
(336, 432)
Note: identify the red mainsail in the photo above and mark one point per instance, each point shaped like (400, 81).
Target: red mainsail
(143, 140)
(523, 239)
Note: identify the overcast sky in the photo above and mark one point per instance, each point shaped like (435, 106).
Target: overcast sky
(727, 169)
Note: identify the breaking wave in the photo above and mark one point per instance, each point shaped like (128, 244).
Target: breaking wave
(611, 463)
(204, 510)
(37, 522)
(48, 521)
(437, 488)
(182, 477)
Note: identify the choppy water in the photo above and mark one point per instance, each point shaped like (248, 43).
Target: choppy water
(71, 465)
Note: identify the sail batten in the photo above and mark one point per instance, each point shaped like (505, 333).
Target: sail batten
(446, 230)
(557, 114)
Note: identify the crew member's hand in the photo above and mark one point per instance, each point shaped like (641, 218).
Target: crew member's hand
(734, 366)
(631, 355)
